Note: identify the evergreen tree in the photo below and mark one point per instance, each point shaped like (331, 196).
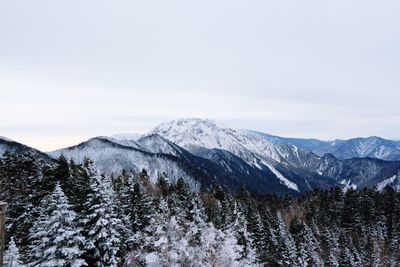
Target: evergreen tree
(12, 256)
(74, 180)
(102, 227)
(24, 180)
(140, 208)
(244, 238)
(286, 244)
(162, 242)
(307, 245)
(55, 237)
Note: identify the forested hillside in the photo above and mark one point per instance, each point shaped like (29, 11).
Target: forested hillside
(66, 214)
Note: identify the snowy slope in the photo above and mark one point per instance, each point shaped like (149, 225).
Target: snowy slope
(156, 144)
(374, 147)
(204, 152)
(387, 182)
(297, 169)
(309, 144)
(255, 150)
(162, 156)
(113, 157)
(124, 139)
(189, 133)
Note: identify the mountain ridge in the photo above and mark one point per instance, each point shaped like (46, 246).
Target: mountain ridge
(204, 152)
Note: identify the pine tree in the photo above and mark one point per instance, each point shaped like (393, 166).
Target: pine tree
(55, 237)
(244, 237)
(330, 244)
(140, 208)
(223, 209)
(12, 256)
(102, 227)
(74, 180)
(24, 181)
(163, 242)
(307, 245)
(286, 244)
(195, 228)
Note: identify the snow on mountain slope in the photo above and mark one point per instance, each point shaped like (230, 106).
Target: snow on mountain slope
(309, 144)
(374, 147)
(397, 144)
(189, 133)
(124, 139)
(256, 151)
(112, 157)
(202, 151)
(162, 156)
(237, 173)
(156, 144)
(294, 167)
(283, 179)
(387, 182)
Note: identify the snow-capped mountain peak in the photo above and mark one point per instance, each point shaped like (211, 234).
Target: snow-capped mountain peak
(195, 132)
(189, 133)
(254, 150)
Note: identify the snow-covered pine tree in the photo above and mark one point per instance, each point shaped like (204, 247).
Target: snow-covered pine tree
(102, 226)
(286, 245)
(329, 242)
(195, 227)
(139, 209)
(307, 245)
(74, 181)
(55, 238)
(11, 256)
(244, 238)
(223, 209)
(23, 184)
(179, 201)
(162, 241)
(348, 254)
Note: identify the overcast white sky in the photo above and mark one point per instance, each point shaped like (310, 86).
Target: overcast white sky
(74, 69)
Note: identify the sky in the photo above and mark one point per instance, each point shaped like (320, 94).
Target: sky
(71, 70)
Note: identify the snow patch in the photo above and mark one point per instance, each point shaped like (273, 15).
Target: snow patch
(347, 185)
(283, 179)
(385, 183)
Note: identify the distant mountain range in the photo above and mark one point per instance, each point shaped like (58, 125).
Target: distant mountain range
(204, 153)
(373, 147)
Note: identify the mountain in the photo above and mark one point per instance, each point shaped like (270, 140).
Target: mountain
(125, 139)
(373, 147)
(193, 134)
(309, 144)
(8, 145)
(112, 157)
(298, 169)
(205, 153)
(162, 157)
